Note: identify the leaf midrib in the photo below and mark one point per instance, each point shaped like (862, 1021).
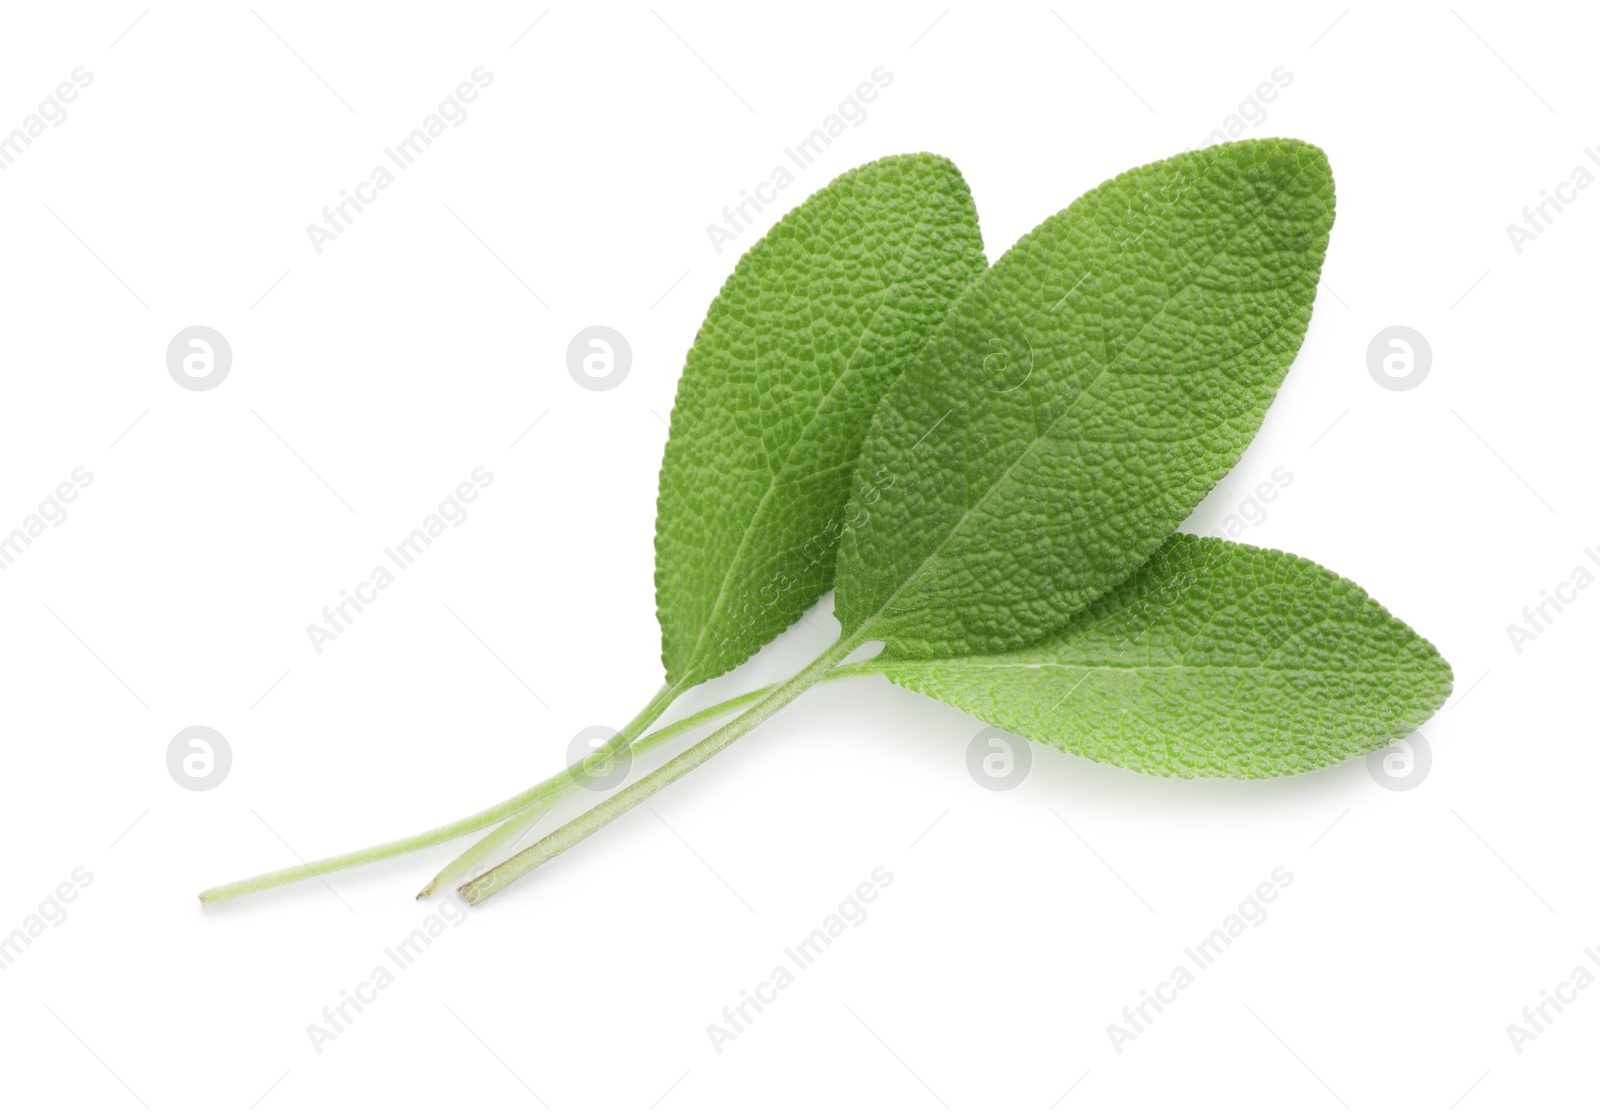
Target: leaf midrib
(1093, 667)
(775, 477)
(1005, 475)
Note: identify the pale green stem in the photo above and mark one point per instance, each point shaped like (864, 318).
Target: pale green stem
(470, 859)
(558, 785)
(487, 885)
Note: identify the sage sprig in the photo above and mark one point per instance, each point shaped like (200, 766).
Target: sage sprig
(988, 466)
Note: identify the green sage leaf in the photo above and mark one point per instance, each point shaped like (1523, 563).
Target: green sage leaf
(1214, 660)
(1081, 398)
(816, 321)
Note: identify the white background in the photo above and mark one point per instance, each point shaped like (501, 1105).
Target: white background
(369, 380)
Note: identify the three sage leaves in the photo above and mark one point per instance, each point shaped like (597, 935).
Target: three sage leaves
(989, 465)
(1004, 537)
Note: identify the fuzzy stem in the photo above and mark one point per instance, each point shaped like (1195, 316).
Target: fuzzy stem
(556, 786)
(487, 885)
(470, 859)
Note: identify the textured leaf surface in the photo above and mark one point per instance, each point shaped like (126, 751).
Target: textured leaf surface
(1214, 660)
(816, 321)
(1083, 395)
